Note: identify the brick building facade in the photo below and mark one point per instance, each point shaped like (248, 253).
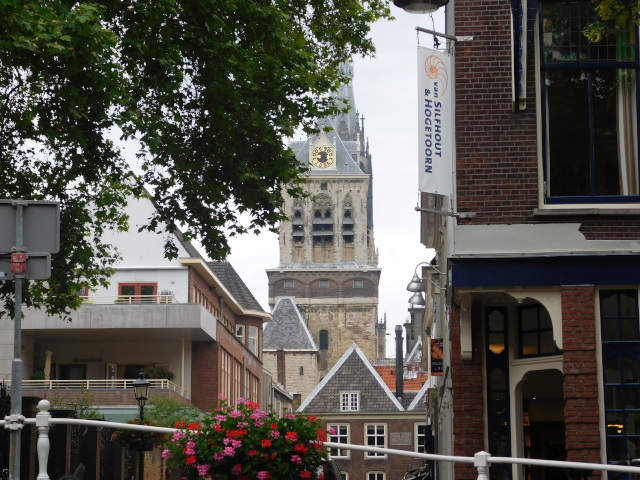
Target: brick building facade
(537, 251)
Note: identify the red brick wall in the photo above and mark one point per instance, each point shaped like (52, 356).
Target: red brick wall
(467, 376)
(580, 374)
(205, 374)
(496, 148)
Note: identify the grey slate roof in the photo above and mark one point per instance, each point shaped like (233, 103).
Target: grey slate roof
(353, 372)
(232, 281)
(287, 328)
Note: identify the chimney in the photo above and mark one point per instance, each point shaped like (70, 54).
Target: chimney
(281, 377)
(399, 363)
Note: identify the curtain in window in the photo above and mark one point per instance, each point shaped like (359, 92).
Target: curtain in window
(627, 128)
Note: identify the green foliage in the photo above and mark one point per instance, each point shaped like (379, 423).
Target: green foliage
(615, 15)
(204, 92)
(167, 411)
(246, 443)
(139, 440)
(82, 403)
(155, 371)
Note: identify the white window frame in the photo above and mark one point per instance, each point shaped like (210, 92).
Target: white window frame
(358, 283)
(418, 438)
(349, 401)
(252, 339)
(377, 436)
(376, 476)
(342, 435)
(240, 333)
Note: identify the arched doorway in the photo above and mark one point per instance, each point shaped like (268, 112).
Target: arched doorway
(543, 427)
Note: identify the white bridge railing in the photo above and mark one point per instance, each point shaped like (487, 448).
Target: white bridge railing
(481, 460)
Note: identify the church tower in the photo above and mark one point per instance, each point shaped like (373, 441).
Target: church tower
(328, 258)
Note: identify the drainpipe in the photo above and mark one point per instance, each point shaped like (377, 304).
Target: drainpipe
(399, 363)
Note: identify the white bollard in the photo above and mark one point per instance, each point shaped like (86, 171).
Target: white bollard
(43, 444)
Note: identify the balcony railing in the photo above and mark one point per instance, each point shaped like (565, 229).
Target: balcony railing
(481, 460)
(120, 384)
(129, 299)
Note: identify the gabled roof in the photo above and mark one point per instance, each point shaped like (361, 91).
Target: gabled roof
(419, 400)
(232, 281)
(415, 355)
(353, 372)
(287, 328)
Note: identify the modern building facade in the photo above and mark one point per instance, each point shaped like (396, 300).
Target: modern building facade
(537, 266)
(192, 318)
(328, 258)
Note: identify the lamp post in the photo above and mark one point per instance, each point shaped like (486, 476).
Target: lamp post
(416, 286)
(420, 6)
(141, 392)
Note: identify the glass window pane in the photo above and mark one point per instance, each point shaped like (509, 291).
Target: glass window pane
(127, 290)
(609, 329)
(628, 304)
(632, 397)
(633, 423)
(547, 343)
(630, 367)
(530, 344)
(609, 303)
(613, 397)
(612, 370)
(529, 319)
(496, 343)
(629, 329)
(567, 103)
(496, 322)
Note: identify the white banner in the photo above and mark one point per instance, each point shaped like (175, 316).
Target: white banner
(435, 127)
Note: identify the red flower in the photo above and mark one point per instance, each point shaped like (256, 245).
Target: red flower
(293, 436)
(274, 426)
(179, 424)
(305, 474)
(193, 426)
(265, 443)
(322, 435)
(253, 453)
(191, 460)
(313, 418)
(252, 405)
(300, 448)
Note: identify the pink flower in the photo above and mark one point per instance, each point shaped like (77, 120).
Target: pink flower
(166, 453)
(221, 418)
(218, 456)
(229, 451)
(242, 400)
(203, 469)
(221, 396)
(258, 423)
(290, 416)
(296, 459)
(332, 431)
(177, 436)
(275, 433)
(191, 448)
(235, 414)
(264, 475)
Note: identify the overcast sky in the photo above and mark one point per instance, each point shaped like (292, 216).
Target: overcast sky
(385, 93)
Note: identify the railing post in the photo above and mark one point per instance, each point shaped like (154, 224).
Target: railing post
(481, 462)
(43, 445)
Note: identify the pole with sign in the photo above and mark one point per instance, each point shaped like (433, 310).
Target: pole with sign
(29, 233)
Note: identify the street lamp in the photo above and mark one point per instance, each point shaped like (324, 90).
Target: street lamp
(141, 392)
(417, 287)
(420, 6)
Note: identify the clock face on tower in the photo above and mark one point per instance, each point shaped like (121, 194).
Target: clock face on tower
(322, 157)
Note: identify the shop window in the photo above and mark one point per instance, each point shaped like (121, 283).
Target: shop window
(589, 108)
(621, 373)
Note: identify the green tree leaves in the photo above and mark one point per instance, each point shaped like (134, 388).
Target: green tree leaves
(208, 90)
